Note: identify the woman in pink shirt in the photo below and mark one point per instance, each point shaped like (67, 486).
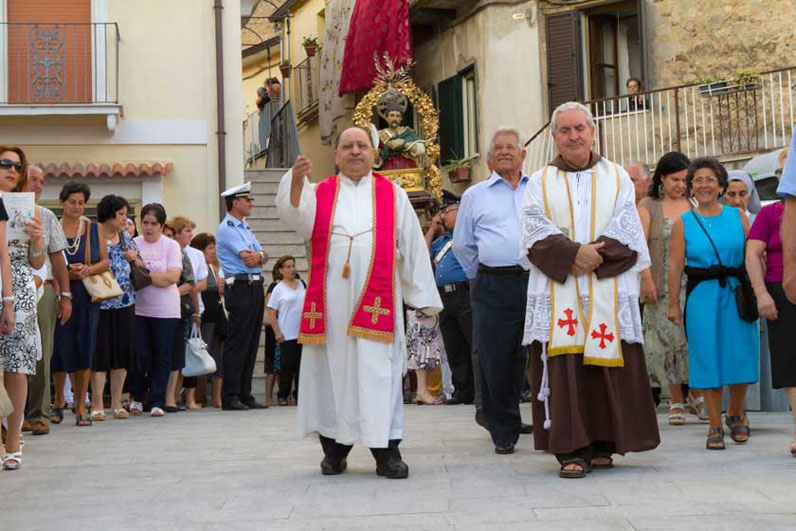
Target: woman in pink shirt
(157, 312)
(765, 247)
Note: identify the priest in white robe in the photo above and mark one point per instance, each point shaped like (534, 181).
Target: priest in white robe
(585, 244)
(362, 271)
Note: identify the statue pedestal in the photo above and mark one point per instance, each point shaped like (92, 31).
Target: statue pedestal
(411, 179)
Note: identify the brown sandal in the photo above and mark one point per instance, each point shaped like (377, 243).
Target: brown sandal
(739, 426)
(715, 439)
(83, 419)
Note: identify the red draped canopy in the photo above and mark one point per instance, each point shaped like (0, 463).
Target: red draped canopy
(377, 26)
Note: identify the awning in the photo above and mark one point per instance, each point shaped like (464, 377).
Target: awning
(139, 169)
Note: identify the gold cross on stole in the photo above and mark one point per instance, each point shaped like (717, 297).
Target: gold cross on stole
(312, 315)
(376, 310)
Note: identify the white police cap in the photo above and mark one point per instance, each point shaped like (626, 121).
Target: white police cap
(242, 190)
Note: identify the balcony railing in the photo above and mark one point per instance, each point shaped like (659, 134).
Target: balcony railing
(306, 80)
(271, 139)
(721, 119)
(59, 63)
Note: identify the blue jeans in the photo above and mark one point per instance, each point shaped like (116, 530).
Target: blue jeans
(155, 345)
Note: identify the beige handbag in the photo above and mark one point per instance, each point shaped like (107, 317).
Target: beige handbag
(102, 286)
(6, 407)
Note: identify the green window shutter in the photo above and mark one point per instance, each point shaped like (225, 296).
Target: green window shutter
(451, 119)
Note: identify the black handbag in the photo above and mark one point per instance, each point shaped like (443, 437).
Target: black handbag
(139, 275)
(745, 299)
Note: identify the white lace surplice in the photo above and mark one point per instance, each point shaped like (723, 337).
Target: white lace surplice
(625, 227)
(350, 389)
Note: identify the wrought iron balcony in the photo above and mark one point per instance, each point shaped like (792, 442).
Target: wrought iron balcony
(50, 65)
(306, 82)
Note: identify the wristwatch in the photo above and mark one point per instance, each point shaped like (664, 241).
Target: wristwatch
(67, 294)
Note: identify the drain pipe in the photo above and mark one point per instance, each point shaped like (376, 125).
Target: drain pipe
(221, 133)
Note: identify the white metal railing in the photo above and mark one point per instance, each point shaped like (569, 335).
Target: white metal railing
(252, 148)
(721, 119)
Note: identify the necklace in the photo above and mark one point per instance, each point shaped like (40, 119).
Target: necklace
(72, 249)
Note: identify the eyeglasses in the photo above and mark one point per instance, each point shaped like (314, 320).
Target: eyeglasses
(7, 164)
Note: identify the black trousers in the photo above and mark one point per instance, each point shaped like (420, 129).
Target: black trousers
(290, 361)
(499, 304)
(456, 325)
(335, 450)
(245, 303)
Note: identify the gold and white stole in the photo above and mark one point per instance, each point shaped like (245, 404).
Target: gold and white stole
(595, 335)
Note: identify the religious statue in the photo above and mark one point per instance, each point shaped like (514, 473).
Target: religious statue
(399, 148)
(401, 155)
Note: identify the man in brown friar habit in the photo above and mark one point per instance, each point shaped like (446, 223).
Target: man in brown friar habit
(367, 257)
(582, 235)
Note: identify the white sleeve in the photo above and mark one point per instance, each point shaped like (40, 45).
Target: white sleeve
(302, 218)
(273, 300)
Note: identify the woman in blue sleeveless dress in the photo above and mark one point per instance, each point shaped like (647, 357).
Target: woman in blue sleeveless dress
(722, 347)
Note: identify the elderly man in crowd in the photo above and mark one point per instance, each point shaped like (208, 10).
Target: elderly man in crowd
(640, 175)
(53, 304)
(485, 242)
(582, 234)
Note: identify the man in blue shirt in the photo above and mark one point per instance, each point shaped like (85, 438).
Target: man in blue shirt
(787, 189)
(456, 319)
(487, 243)
(242, 260)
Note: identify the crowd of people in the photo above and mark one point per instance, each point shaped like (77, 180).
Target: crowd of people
(594, 290)
(127, 341)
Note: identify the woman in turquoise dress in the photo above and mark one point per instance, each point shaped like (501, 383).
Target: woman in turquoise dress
(722, 347)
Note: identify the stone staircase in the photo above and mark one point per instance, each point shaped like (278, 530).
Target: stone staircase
(277, 240)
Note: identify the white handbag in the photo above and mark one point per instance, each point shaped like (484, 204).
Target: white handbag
(198, 361)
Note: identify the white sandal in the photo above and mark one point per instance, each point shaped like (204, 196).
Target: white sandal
(699, 409)
(12, 461)
(97, 415)
(676, 419)
(136, 408)
(156, 412)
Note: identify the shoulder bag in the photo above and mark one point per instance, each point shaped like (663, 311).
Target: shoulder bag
(139, 275)
(102, 286)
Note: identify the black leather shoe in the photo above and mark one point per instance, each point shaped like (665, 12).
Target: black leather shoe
(454, 401)
(333, 467)
(504, 449)
(255, 405)
(234, 405)
(392, 467)
(525, 429)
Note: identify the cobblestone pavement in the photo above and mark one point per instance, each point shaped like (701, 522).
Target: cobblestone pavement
(212, 470)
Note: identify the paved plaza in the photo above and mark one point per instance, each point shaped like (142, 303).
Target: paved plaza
(212, 470)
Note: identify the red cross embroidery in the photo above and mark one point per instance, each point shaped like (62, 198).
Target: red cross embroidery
(570, 322)
(602, 336)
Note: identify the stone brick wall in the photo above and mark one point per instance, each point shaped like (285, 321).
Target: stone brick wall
(690, 39)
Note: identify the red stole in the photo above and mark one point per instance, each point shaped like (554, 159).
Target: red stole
(373, 317)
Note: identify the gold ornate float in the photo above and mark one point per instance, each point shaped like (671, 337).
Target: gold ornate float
(402, 156)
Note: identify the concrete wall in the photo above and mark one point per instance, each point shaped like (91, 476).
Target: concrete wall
(505, 52)
(689, 40)
(167, 87)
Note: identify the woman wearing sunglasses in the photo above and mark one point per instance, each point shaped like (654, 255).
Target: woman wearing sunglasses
(18, 351)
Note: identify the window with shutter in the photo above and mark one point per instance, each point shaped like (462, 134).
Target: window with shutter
(451, 119)
(563, 72)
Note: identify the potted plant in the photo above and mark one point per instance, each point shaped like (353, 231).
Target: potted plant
(310, 45)
(458, 170)
(747, 79)
(285, 68)
(709, 85)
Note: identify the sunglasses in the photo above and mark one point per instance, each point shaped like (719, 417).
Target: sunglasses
(7, 164)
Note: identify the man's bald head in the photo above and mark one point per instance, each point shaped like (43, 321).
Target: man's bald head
(35, 180)
(354, 153)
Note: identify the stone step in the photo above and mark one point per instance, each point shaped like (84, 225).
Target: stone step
(264, 175)
(277, 250)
